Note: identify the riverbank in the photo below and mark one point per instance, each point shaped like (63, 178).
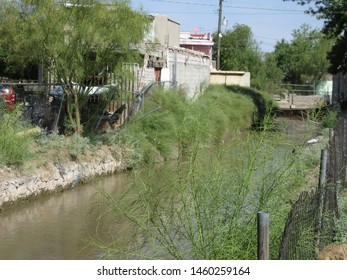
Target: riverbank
(56, 170)
(21, 184)
(35, 164)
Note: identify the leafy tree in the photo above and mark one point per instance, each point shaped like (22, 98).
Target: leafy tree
(15, 71)
(304, 59)
(72, 40)
(334, 14)
(284, 56)
(241, 52)
(269, 76)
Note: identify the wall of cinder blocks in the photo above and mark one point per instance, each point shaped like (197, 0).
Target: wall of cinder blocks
(189, 70)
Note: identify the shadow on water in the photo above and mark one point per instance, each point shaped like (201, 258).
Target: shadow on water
(264, 105)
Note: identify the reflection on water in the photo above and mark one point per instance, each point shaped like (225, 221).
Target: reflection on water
(56, 226)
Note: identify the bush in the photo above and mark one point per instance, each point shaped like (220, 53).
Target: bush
(204, 205)
(77, 146)
(329, 120)
(14, 142)
(170, 125)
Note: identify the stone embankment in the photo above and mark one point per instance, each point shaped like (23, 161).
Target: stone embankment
(16, 186)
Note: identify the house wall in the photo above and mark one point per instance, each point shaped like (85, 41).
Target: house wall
(197, 42)
(189, 69)
(166, 31)
(193, 70)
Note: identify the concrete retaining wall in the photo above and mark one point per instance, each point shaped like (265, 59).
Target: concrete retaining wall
(53, 178)
(229, 78)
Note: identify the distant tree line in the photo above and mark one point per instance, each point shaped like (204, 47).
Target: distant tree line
(310, 54)
(334, 14)
(303, 60)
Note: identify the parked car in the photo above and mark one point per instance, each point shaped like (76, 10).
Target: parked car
(7, 97)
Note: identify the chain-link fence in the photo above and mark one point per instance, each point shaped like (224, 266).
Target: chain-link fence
(44, 105)
(107, 107)
(34, 99)
(311, 222)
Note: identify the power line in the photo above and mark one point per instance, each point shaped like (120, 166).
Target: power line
(226, 6)
(264, 9)
(267, 38)
(185, 3)
(225, 13)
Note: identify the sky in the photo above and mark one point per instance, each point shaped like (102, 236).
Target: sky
(270, 20)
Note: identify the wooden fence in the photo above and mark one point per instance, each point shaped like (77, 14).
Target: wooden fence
(311, 222)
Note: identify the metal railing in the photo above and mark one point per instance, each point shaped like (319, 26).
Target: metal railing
(300, 89)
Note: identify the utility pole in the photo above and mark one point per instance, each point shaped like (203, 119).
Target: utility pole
(219, 35)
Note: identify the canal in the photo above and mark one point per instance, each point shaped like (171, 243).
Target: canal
(62, 225)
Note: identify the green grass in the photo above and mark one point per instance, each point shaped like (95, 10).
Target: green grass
(204, 206)
(14, 144)
(329, 119)
(170, 124)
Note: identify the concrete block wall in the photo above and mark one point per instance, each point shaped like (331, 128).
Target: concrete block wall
(190, 69)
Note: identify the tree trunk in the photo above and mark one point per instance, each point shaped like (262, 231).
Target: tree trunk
(73, 111)
(78, 125)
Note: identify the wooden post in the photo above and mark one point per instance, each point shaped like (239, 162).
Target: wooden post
(321, 186)
(323, 169)
(263, 236)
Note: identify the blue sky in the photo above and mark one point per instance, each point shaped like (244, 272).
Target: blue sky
(270, 20)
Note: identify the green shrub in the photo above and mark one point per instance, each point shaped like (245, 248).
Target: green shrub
(169, 123)
(14, 149)
(14, 142)
(329, 120)
(77, 146)
(206, 207)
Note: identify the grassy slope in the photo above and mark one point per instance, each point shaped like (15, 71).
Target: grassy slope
(210, 199)
(177, 123)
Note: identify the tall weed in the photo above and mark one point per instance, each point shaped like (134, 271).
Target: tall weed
(205, 206)
(170, 125)
(14, 144)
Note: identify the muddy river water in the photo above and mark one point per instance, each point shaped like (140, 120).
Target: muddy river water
(58, 226)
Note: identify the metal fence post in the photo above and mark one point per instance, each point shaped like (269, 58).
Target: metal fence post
(263, 236)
